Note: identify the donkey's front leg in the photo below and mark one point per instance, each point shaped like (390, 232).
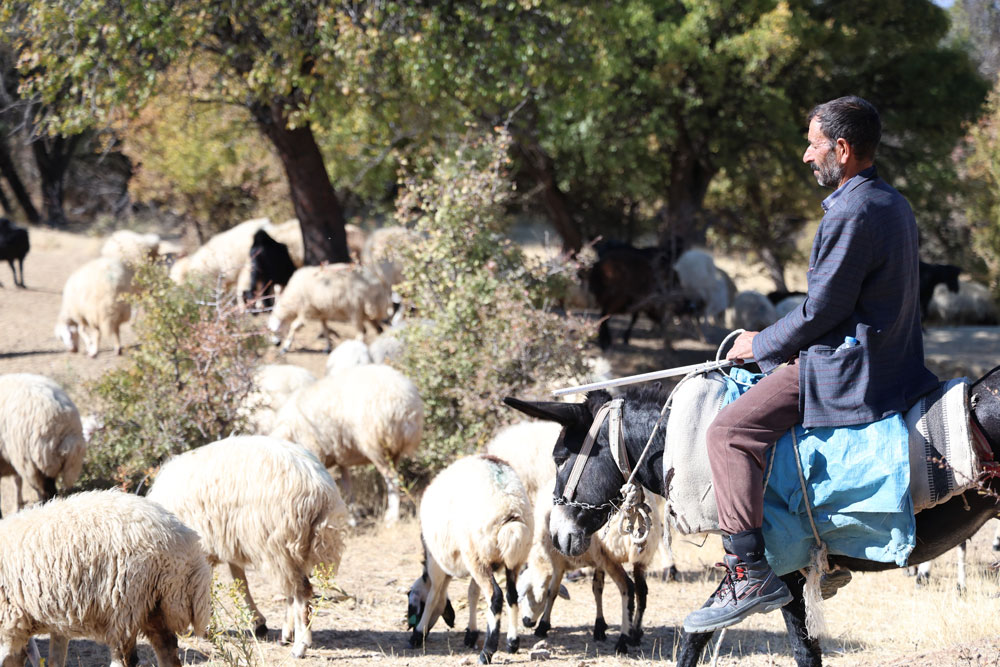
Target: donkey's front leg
(692, 646)
(806, 649)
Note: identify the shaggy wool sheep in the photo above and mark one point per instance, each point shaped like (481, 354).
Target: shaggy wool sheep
(131, 247)
(273, 385)
(367, 414)
(972, 304)
(347, 354)
(750, 310)
(474, 518)
(338, 292)
(92, 303)
(703, 282)
(221, 258)
(103, 565)
(260, 501)
(527, 447)
(41, 435)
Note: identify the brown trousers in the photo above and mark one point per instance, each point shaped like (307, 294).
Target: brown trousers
(738, 440)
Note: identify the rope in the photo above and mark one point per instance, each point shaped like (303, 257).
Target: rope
(813, 597)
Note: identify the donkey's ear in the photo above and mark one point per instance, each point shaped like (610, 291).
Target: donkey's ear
(553, 411)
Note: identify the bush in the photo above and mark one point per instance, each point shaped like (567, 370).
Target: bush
(181, 388)
(489, 329)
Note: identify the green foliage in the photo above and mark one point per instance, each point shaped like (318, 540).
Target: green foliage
(231, 627)
(182, 387)
(982, 186)
(488, 329)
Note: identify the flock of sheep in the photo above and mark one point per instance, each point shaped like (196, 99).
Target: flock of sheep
(108, 566)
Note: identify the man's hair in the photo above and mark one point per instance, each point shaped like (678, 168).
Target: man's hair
(853, 119)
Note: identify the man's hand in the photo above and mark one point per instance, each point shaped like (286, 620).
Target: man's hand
(743, 346)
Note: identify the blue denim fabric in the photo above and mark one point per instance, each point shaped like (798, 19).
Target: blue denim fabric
(859, 491)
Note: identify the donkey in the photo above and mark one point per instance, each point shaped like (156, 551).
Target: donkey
(573, 522)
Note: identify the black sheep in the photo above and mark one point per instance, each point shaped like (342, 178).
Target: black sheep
(13, 245)
(270, 265)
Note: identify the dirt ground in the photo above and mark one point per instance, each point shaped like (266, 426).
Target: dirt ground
(879, 619)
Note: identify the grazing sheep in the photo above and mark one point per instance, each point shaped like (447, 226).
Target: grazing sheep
(474, 519)
(527, 447)
(132, 248)
(972, 304)
(629, 280)
(750, 310)
(338, 292)
(41, 435)
(14, 245)
(703, 282)
(103, 565)
(931, 275)
(92, 302)
(381, 253)
(273, 385)
(270, 268)
(260, 501)
(348, 354)
(221, 257)
(356, 239)
(367, 414)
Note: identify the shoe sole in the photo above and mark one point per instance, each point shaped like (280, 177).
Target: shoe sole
(763, 608)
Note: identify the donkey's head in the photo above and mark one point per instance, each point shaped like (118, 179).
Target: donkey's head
(580, 510)
(984, 397)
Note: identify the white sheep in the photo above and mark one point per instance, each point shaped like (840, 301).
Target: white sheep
(41, 435)
(474, 518)
(338, 292)
(752, 311)
(131, 247)
(103, 565)
(92, 302)
(381, 253)
(273, 385)
(527, 447)
(261, 501)
(367, 414)
(348, 354)
(973, 304)
(703, 282)
(220, 259)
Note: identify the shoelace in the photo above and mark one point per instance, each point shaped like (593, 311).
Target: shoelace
(730, 581)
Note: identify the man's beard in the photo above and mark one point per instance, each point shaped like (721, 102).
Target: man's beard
(829, 172)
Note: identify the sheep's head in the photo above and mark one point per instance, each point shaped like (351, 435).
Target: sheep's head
(277, 326)
(416, 600)
(69, 334)
(532, 589)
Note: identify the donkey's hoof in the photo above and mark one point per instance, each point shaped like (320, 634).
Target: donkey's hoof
(471, 638)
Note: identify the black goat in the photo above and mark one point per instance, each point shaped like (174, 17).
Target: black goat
(930, 276)
(629, 280)
(13, 245)
(270, 265)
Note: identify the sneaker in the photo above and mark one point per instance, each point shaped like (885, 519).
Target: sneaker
(747, 588)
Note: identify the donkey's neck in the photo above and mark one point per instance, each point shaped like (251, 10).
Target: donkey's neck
(650, 470)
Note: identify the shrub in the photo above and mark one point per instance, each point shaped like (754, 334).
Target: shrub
(180, 388)
(488, 327)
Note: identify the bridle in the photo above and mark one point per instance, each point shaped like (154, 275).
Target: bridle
(612, 411)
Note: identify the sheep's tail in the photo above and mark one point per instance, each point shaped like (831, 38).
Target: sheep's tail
(73, 447)
(330, 534)
(514, 540)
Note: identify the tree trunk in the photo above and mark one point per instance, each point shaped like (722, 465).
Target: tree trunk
(689, 180)
(316, 205)
(53, 156)
(5, 203)
(775, 268)
(9, 172)
(540, 166)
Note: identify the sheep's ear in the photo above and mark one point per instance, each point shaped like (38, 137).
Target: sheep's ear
(553, 411)
(449, 613)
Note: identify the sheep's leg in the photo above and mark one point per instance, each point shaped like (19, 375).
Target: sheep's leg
(327, 335)
(923, 573)
(116, 339)
(628, 330)
(627, 591)
(962, 549)
(58, 647)
(296, 324)
(996, 538)
(641, 592)
(513, 643)
(484, 578)
(12, 655)
(555, 581)
(240, 576)
(597, 586)
(670, 571)
(163, 640)
(20, 265)
(125, 655)
(388, 472)
(472, 632)
(92, 345)
(303, 609)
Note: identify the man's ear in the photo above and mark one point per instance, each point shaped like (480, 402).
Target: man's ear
(844, 151)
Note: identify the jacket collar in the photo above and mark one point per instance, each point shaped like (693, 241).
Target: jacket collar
(864, 175)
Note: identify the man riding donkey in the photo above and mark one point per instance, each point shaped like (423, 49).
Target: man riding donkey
(851, 354)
